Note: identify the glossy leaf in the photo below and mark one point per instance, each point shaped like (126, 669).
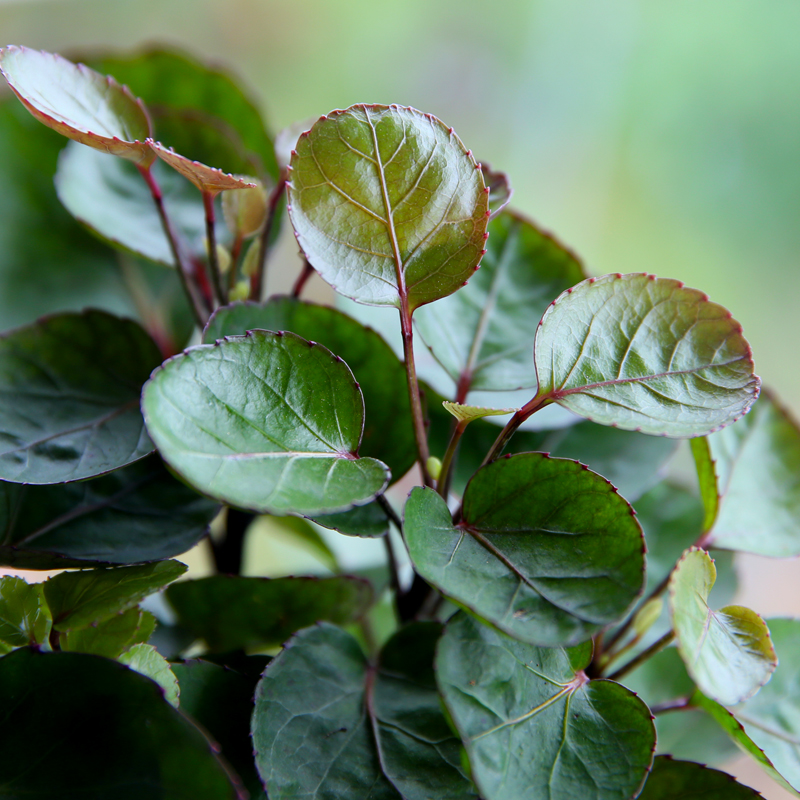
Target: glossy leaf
(388, 430)
(78, 102)
(327, 724)
(79, 599)
(546, 550)
(728, 652)
(387, 205)
(112, 637)
(534, 725)
(24, 616)
(230, 612)
(157, 752)
(367, 521)
(689, 781)
(483, 335)
(644, 353)
(70, 407)
(268, 422)
(138, 513)
(757, 466)
(145, 659)
(499, 187)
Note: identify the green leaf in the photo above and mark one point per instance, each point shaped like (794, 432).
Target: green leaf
(546, 550)
(300, 532)
(388, 428)
(268, 422)
(728, 652)
(367, 521)
(157, 752)
(689, 781)
(230, 612)
(138, 513)
(70, 404)
(483, 334)
(534, 725)
(327, 724)
(499, 187)
(78, 102)
(644, 353)
(757, 466)
(145, 659)
(112, 637)
(24, 616)
(701, 452)
(79, 599)
(470, 413)
(387, 205)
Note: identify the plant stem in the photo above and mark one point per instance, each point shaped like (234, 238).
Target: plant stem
(302, 279)
(443, 484)
(410, 602)
(213, 260)
(273, 201)
(228, 551)
(654, 648)
(679, 704)
(236, 251)
(530, 408)
(391, 514)
(413, 393)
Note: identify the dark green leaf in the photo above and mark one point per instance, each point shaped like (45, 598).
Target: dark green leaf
(388, 429)
(366, 521)
(112, 637)
(24, 616)
(268, 422)
(327, 724)
(546, 550)
(145, 659)
(483, 334)
(79, 599)
(78, 102)
(139, 513)
(230, 612)
(685, 780)
(644, 353)
(105, 732)
(728, 652)
(388, 205)
(69, 405)
(534, 725)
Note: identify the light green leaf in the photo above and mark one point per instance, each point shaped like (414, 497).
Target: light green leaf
(644, 353)
(24, 616)
(689, 781)
(465, 413)
(268, 422)
(707, 478)
(112, 637)
(145, 659)
(546, 550)
(388, 205)
(728, 652)
(534, 725)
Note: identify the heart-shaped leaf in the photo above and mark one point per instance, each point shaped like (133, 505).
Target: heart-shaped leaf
(112, 637)
(388, 429)
(157, 752)
(78, 102)
(328, 724)
(689, 781)
(268, 422)
(483, 334)
(139, 513)
(728, 652)
(207, 179)
(644, 353)
(24, 616)
(387, 205)
(69, 406)
(230, 612)
(750, 481)
(546, 550)
(534, 725)
(499, 187)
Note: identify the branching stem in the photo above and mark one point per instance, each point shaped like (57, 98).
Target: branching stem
(530, 408)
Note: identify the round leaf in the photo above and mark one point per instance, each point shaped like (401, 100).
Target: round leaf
(546, 550)
(78, 102)
(644, 353)
(534, 725)
(728, 652)
(268, 422)
(69, 405)
(483, 334)
(387, 205)
(689, 781)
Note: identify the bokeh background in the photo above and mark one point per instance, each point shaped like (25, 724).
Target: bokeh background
(649, 135)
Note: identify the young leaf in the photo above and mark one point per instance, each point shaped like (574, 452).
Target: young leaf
(644, 353)
(268, 422)
(138, 513)
(112, 637)
(499, 187)
(207, 179)
(70, 405)
(689, 781)
(230, 612)
(469, 413)
(387, 205)
(483, 334)
(79, 599)
(157, 752)
(388, 430)
(145, 659)
(728, 652)
(24, 616)
(546, 550)
(534, 725)
(78, 102)
(328, 724)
